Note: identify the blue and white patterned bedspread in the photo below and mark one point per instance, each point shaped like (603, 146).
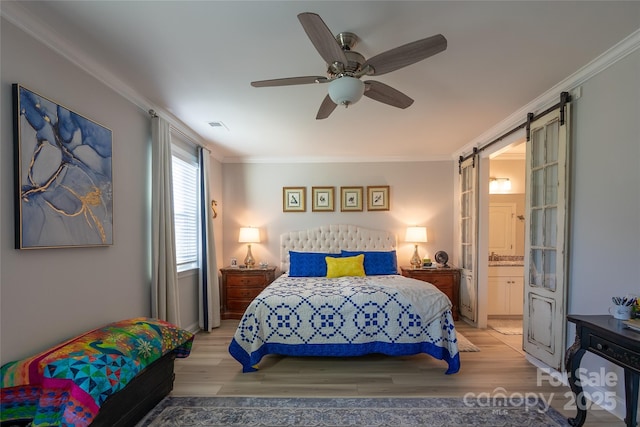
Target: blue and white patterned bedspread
(347, 316)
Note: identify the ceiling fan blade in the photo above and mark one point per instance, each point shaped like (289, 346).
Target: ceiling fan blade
(386, 94)
(290, 81)
(407, 54)
(326, 108)
(322, 38)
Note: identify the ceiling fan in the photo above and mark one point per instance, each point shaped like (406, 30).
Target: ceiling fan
(346, 67)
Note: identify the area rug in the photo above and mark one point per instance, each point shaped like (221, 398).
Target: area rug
(506, 326)
(337, 412)
(464, 344)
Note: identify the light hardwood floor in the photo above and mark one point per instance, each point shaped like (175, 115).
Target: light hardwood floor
(499, 366)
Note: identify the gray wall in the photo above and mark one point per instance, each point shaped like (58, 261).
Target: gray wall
(420, 194)
(49, 295)
(604, 246)
(605, 204)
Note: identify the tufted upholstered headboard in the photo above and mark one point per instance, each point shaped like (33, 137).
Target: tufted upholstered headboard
(334, 238)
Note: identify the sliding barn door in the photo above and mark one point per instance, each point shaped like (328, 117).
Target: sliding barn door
(468, 240)
(545, 290)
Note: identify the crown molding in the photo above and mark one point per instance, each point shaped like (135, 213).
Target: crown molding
(319, 159)
(40, 30)
(617, 52)
(15, 13)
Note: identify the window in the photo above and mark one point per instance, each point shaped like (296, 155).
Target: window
(186, 196)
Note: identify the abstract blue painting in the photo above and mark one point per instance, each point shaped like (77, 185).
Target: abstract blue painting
(63, 175)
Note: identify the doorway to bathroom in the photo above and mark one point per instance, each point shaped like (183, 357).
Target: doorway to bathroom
(505, 257)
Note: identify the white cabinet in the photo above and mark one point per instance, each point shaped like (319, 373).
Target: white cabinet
(506, 290)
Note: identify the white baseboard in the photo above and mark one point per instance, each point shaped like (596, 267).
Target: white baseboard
(193, 328)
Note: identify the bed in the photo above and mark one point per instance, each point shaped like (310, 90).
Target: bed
(110, 376)
(357, 305)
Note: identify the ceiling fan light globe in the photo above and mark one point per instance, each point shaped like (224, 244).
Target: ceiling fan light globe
(346, 90)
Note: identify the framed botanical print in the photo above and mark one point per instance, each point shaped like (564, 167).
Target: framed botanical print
(294, 199)
(378, 198)
(351, 199)
(322, 199)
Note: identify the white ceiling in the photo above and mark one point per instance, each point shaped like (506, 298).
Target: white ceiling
(194, 61)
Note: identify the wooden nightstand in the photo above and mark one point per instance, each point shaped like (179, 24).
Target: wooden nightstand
(445, 279)
(240, 286)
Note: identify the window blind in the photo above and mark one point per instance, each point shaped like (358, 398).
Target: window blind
(185, 205)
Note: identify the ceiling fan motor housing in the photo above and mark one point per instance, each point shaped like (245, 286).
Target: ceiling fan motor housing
(351, 68)
(346, 88)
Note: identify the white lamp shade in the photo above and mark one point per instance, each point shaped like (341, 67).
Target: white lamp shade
(249, 235)
(416, 235)
(346, 90)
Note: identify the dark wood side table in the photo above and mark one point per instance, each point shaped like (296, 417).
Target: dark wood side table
(445, 279)
(240, 286)
(608, 338)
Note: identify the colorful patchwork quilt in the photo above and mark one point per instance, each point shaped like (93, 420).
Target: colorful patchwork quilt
(347, 316)
(67, 384)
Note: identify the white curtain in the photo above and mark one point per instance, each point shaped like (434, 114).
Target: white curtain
(209, 291)
(164, 278)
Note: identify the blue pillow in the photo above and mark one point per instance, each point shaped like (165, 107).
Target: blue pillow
(308, 264)
(377, 262)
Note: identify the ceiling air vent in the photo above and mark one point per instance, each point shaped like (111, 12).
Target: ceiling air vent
(218, 125)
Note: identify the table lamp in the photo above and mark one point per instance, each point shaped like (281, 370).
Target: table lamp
(249, 235)
(416, 235)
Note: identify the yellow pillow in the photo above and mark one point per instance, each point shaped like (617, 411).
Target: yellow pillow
(347, 266)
